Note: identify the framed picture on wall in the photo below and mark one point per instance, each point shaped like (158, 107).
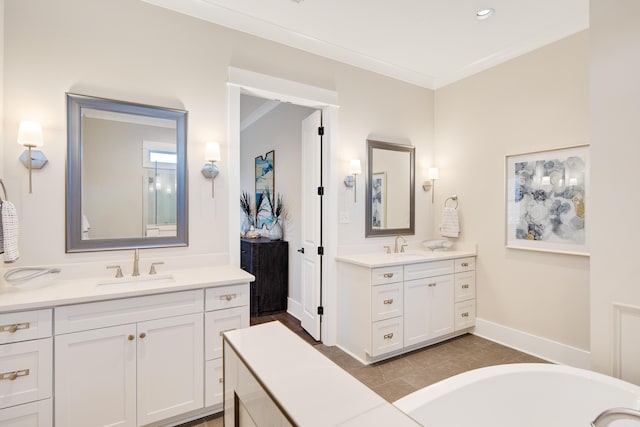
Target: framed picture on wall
(379, 200)
(265, 179)
(546, 200)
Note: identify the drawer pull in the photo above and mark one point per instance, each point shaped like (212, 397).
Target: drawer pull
(465, 286)
(465, 264)
(13, 375)
(15, 327)
(388, 301)
(388, 336)
(466, 314)
(431, 285)
(227, 297)
(227, 330)
(388, 275)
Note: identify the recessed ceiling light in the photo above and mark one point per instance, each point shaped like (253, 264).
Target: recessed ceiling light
(484, 13)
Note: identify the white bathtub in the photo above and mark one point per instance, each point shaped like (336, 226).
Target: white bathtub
(521, 395)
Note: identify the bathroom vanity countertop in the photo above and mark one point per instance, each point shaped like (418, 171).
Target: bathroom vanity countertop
(307, 386)
(74, 291)
(372, 260)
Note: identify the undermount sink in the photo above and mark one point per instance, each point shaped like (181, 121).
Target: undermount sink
(138, 280)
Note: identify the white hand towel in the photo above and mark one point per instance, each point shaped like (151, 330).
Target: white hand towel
(10, 231)
(450, 225)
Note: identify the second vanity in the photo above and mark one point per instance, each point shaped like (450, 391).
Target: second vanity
(390, 304)
(77, 353)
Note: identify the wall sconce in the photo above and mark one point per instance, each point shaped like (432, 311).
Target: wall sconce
(431, 185)
(355, 168)
(210, 170)
(30, 136)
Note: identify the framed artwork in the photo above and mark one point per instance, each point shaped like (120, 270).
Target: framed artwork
(265, 179)
(379, 200)
(546, 200)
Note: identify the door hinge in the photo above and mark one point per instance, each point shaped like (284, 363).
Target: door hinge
(321, 130)
(320, 191)
(320, 310)
(320, 250)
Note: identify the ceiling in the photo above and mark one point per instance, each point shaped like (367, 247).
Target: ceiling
(430, 43)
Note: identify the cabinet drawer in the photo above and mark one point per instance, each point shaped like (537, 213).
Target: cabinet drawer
(217, 322)
(465, 314)
(387, 336)
(25, 325)
(386, 301)
(222, 297)
(35, 414)
(82, 317)
(383, 275)
(214, 384)
(29, 363)
(465, 287)
(465, 264)
(428, 269)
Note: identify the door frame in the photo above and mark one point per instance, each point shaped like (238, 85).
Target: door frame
(251, 83)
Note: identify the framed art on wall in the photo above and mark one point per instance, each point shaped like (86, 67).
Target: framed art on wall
(546, 200)
(379, 200)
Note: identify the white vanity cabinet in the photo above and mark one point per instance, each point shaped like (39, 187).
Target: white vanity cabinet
(387, 308)
(26, 359)
(227, 309)
(129, 362)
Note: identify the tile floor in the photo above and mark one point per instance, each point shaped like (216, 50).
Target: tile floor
(399, 376)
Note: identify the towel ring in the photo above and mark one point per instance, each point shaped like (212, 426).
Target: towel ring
(453, 198)
(4, 190)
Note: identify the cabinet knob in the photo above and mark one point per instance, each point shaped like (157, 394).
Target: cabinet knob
(130, 337)
(388, 301)
(143, 334)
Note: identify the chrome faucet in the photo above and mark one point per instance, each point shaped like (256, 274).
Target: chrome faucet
(610, 415)
(136, 261)
(395, 245)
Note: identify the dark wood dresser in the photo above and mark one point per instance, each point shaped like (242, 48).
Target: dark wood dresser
(268, 260)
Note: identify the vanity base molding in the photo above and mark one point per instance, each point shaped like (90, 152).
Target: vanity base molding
(387, 308)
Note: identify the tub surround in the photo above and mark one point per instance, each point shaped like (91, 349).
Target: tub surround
(274, 378)
(389, 304)
(125, 334)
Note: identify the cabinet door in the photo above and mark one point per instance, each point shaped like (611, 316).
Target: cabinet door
(95, 378)
(170, 367)
(428, 308)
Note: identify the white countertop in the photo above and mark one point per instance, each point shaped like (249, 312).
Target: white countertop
(312, 389)
(72, 291)
(372, 260)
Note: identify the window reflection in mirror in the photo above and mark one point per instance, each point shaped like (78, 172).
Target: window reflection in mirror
(390, 189)
(126, 175)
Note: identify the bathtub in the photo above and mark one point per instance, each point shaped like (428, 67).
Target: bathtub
(521, 395)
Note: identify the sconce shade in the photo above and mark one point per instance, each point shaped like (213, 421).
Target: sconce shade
(355, 168)
(30, 134)
(212, 152)
(434, 173)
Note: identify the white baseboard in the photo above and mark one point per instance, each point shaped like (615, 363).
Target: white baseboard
(294, 308)
(536, 346)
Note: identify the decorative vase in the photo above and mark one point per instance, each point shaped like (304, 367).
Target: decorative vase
(246, 225)
(275, 232)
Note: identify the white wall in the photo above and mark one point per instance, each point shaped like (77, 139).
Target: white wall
(133, 51)
(615, 147)
(534, 102)
(280, 130)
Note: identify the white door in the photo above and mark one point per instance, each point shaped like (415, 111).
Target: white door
(96, 378)
(311, 238)
(170, 367)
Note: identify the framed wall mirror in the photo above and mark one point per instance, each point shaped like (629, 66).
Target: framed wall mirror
(126, 175)
(390, 189)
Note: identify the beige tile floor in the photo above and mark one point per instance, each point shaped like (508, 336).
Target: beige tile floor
(399, 376)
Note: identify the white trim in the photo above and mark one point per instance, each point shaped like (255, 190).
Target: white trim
(257, 114)
(244, 81)
(543, 348)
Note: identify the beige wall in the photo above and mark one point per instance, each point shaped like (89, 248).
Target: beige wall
(534, 102)
(615, 128)
(130, 50)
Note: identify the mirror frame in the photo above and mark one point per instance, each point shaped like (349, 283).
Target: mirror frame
(74, 241)
(369, 230)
